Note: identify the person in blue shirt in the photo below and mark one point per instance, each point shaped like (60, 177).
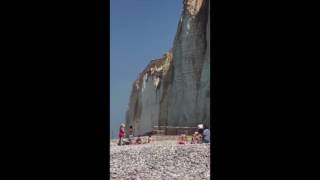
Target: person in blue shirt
(206, 135)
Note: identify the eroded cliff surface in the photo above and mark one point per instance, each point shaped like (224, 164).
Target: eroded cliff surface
(175, 89)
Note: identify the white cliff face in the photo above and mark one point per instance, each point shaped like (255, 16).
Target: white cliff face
(190, 102)
(175, 90)
(145, 103)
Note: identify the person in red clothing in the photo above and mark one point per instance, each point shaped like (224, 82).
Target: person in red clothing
(121, 134)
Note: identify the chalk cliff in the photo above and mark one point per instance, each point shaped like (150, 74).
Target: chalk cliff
(174, 91)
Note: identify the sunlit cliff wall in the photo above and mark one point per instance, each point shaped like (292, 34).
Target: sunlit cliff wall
(175, 89)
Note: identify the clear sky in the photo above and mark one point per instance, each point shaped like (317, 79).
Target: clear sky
(140, 30)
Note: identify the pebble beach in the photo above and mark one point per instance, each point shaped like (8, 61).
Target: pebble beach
(161, 159)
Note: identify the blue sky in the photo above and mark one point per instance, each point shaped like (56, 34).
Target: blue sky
(140, 30)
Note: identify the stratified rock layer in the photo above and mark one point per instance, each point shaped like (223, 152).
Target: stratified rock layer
(175, 90)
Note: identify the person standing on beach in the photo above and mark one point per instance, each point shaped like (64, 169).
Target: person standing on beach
(121, 134)
(130, 134)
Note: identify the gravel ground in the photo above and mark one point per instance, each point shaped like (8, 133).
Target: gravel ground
(160, 160)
